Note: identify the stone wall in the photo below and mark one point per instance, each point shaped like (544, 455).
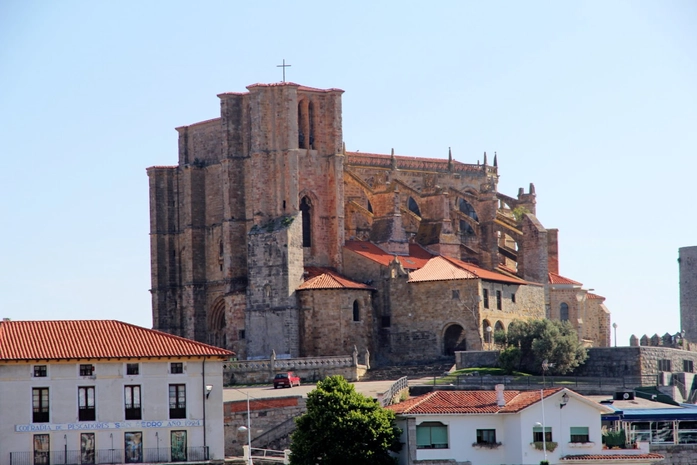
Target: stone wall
(476, 359)
(310, 369)
(683, 454)
(271, 421)
(633, 361)
(687, 264)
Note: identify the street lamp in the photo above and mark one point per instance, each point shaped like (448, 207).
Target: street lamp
(248, 429)
(614, 326)
(489, 329)
(542, 425)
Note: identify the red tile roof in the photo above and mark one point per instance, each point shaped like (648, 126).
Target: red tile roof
(446, 268)
(418, 256)
(93, 339)
(468, 402)
(594, 296)
(555, 278)
(605, 458)
(325, 278)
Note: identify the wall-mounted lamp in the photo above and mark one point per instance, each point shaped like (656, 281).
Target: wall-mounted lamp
(209, 388)
(564, 400)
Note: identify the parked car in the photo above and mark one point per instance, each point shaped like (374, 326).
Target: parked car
(287, 379)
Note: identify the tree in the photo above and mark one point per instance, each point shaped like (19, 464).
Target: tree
(531, 342)
(342, 426)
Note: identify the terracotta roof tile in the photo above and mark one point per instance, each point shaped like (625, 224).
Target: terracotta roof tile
(604, 458)
(485, 274)
(468, 402)
(326, 278)
(446, 268)
(555, 278)
(93, 339)
(594, 296)
(418, 256)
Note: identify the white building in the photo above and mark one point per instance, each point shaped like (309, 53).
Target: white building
(507, 427)
(103, 391)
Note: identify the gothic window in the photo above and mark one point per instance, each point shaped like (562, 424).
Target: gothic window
(301, 135)
(465, 229)
(564, 312)
(356, 311)
(468, 209)
(414, 207)
(306, 209)
(311, 117)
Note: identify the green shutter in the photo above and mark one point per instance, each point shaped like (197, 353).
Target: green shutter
(423, 436)
(579, 431)
(439, 435)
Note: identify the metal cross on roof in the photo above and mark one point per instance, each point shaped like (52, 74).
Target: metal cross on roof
(284, 66)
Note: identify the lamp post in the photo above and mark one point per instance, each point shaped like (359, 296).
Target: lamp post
(489, 329)
(248, 429)
(614, 326)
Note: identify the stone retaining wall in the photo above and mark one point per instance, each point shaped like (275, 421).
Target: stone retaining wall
(309, 369)
(682, 454)
(267, 417)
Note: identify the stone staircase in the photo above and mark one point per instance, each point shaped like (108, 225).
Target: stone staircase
(413, 371)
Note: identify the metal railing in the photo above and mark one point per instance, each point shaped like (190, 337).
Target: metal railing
(108, 456)
(548, 381)
(388, 396)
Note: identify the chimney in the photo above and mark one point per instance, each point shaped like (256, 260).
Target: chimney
(500, 401)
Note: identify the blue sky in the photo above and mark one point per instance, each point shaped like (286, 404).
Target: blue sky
(594, 102)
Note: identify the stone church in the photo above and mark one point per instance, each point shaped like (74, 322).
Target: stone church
(268, 235)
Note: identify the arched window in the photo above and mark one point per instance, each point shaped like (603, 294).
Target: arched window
(306, 210)
(468, 209)
(414, 207)
(564, 312)
(465, 229)
(356, 311)
(301, 134)
(311, 117)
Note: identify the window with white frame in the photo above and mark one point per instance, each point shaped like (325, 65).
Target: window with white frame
(537, 434)
(40, 371)
(580, 434)
(431, 435)
(85, 403)
(486, 436)
(132, 402)
(39, 401)
(133, 368)
(177, 401)
(176, 368)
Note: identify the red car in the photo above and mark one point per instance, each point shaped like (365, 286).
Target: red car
(286, 379)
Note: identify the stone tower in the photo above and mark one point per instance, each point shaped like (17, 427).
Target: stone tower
(687, 264)
(257, 196)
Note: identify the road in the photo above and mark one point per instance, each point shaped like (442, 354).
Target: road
(368, 388)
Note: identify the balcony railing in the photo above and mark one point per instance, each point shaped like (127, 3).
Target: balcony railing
(106, 456)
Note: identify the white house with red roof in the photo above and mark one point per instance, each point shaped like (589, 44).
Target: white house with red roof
(507, 427)
(104, 391)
